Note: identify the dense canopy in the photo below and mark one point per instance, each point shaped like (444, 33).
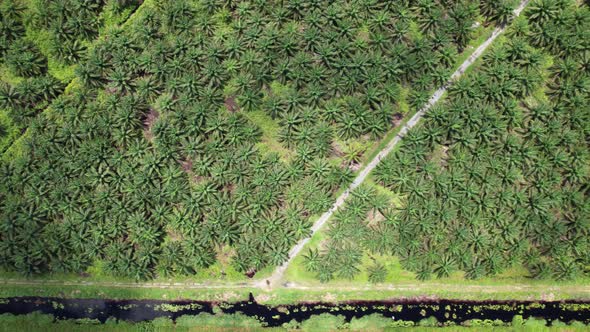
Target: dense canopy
(200, 128)
(495, 177)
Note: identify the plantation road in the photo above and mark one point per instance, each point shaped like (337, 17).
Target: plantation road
(277, 275)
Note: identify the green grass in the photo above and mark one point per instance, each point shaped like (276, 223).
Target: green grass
(333, 293)
(202, 322)
(515, 275)
(7, 76)
(122, 292)
(270, 129)
(367, 293)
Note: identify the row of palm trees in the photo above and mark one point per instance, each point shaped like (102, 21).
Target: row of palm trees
(12, 27)
(21, 58)
(323, 59)
(89, 198)
(70, 25)
(493, 181)
(494, 178)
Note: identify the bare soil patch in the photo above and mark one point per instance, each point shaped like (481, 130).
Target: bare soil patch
(337, 149)
(374, 218)
(148, 122)
(329, 297)
(440, 155)
(354, 166)
(397, 119)
(231, 105)
(186, 165)
(173, 234)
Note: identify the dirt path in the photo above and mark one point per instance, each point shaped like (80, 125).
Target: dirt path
(277, 275)
(109, 284)
(581, 291)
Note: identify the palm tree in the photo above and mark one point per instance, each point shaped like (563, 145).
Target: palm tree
(423, 273)
(24, 59)
(304, 155)
(429, 19)
(463, 15)
(249, 100)
(274, 106)
(354, 152)
(277, 255)
(377, 273)
(350, 258)
(349, 126)
(541, 12)
(91, 74)
(9, 97)
(445, 266)
(68, 51)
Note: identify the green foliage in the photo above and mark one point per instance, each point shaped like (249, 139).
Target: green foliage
(535, 323)
(469, 169)
(323, 322)
(312, 262)
(7, 130)
(23, 58)
(500, 11)
(517, 320)
(428, 322)
(150, 130)
(220, 320)
(377, 273)
(11, 24)
(151, 165)
(484, 322)
(489, 182)
(162, 323)
(373, 322)
(70, 25)
(40, 42)
(36, 321)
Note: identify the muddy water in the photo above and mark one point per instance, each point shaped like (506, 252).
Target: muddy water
(442, 310)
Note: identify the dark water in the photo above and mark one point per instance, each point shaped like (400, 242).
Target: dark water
(442, 310)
